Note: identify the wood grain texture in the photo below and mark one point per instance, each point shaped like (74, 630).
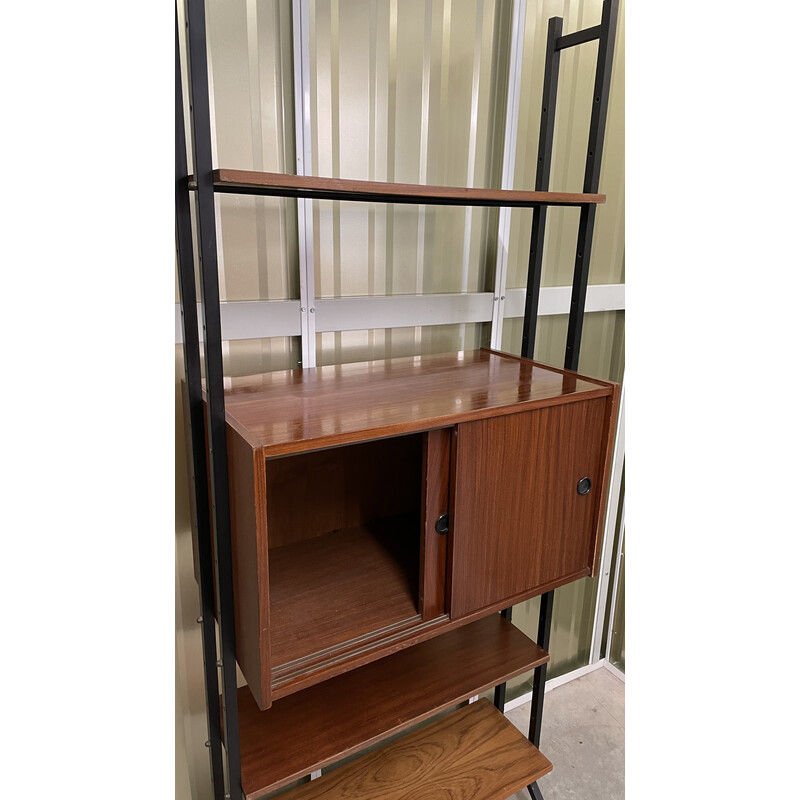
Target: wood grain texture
(323, 724)
(324, 628)
(331, 589)
(435, 502)
(311, 494)
(473, 753)
(518, 521)
(250, 565)
(296, 410)
(612, 410)
(279, 185)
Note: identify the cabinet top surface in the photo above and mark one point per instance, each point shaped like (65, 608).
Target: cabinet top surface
(303, 409)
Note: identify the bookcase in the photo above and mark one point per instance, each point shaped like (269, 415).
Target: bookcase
(359, 527)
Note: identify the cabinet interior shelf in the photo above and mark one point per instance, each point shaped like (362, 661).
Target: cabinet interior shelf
(340, 587)
(237, 181)
(369, 704)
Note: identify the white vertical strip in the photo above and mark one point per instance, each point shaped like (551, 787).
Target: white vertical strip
(259, 203)
(509, 157)
(423, 152)
(423, 141)
(473, 140)
(223, 294)
(615, 590)
(608, 531)
(305, 219)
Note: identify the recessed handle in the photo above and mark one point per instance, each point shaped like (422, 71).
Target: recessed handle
(442, 524)
(584, 485)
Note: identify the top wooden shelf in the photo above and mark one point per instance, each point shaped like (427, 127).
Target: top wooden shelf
(304, 409)
(234, 181)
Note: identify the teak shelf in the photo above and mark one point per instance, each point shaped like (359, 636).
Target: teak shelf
(370, 704)
(238, 181)
(445, 488)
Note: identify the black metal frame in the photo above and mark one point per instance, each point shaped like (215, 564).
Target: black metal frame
(208, 427)
(215, 544)
(605, 32)
(194, 408)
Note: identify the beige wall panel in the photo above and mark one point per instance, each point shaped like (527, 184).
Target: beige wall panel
(352, 346)
(573, 113)
(417, 104)
(251, 61)
(252, 356)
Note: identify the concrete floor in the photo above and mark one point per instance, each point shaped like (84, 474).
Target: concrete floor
(583, 734)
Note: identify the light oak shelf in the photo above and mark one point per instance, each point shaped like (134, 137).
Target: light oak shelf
(237, 181)
(367, 705)
(471, 754)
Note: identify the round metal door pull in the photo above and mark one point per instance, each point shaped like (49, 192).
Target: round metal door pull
(584, 484)
(442, 524)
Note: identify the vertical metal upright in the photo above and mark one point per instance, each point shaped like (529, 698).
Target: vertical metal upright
(214, 532)
(605, 33)
(194, 408)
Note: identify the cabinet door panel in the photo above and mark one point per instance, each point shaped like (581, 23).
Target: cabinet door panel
(519, 522)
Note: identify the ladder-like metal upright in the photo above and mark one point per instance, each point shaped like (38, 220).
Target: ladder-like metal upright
(605, 33)
(209, 458)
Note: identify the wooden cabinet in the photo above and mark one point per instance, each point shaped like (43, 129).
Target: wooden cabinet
(376, 506)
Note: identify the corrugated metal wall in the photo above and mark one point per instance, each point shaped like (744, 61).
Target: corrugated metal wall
(409, 92)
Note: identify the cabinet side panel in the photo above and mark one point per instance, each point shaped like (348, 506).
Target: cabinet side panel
(518, 520)
(612, 410)
(250, 568)
(435, 502)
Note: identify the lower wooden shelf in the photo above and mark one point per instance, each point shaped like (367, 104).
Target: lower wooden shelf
(473, 753)
(320, 725)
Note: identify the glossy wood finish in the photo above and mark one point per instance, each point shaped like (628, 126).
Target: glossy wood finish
(518, 520)
(250, 564)
(435, 503)
(329, 721)
(473, 753)
(274, 184)
(297, 410)
(609, 434)
(331, 589)
(337, 605)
